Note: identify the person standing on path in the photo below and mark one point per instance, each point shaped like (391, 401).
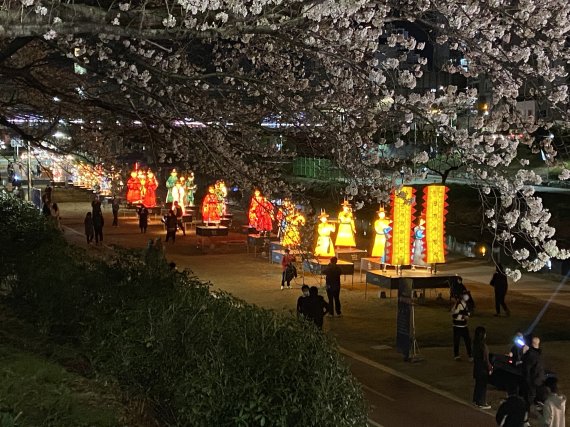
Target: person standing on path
(171, 225)
(460, 315)
(115, 208)
(89, 231)
(482, 368)
(302, 301)
(332, 282)
(512, 412)
(96, 206)
(554, 409)
(315, 307)
(142, 211)
(533, 372)
(501, 284)
(98, 223)
(285, 261)
(179, 214)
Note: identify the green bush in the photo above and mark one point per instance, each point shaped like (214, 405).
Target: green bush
(202, 359)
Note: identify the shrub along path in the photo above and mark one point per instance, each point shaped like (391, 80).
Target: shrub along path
(367, 328)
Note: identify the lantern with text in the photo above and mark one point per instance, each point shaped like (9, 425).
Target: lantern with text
(400, 241)
(435, 210)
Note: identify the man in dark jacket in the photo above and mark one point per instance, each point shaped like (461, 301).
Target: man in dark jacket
(179, 214)
(512, 412)
(332, 274)
(533, 372)
(302, 301)
(115, 205)
(315, 307)
(98, 223)
(171, 225)
(501, 284)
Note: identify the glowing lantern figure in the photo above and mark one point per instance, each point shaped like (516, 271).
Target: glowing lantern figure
(133, 188)
(382, 229)
(149, 199)
(292, 234)
(418, 253)
(399, 249)
(281, 217)
(324, 246)
(435, 205)
(170, 183)
(221, 192)
(346, 227)
(260, 213)
(210, 211)
(190, 189)
(142, 184)
(179, 192)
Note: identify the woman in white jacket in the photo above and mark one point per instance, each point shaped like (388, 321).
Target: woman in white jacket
(554, 409)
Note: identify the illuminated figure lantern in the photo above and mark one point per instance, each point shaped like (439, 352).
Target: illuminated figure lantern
(210, 211)
(149, 199)
(324, 246)
(190, 189)
(179, 192)
(133, 188)
(282, 212)
(292, 234)
(346, 227)
(221, 191)
(382, 229)
(260, 213)
(418, 245)
(170, 183)
(142, 183)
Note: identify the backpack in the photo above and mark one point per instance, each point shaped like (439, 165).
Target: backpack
(290, 272)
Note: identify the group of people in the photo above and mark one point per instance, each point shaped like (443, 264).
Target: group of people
(332, 283)
(94, 222)
(533, 387)
(173, 222)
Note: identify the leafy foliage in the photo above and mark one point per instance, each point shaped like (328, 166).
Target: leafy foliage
(201, 358)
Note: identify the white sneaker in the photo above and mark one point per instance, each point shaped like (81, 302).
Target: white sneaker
(485, 406)
(282, 287)
(288, 287)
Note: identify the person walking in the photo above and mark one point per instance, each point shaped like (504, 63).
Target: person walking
(98, 223)
(332, 282)
(179, 214)
(171, 224)
(115, 208)
(315, 307)
(285, 262)
(482, 368)
(460, 315)
(142, 212)
(89, 231)
(554, 409)
(500, 283)
(533, 372)
(512, 412)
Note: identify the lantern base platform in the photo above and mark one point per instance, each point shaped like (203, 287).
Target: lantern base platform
(421, 279)
(350, 254)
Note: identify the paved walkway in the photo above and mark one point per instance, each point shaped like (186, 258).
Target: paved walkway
(399, 393)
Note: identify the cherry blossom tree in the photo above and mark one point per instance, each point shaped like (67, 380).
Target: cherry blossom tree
(210, 82)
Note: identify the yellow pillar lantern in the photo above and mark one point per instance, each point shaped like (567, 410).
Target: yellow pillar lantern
(435, 210)
(399, 251)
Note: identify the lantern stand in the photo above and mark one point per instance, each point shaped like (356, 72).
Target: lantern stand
(415, 355)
